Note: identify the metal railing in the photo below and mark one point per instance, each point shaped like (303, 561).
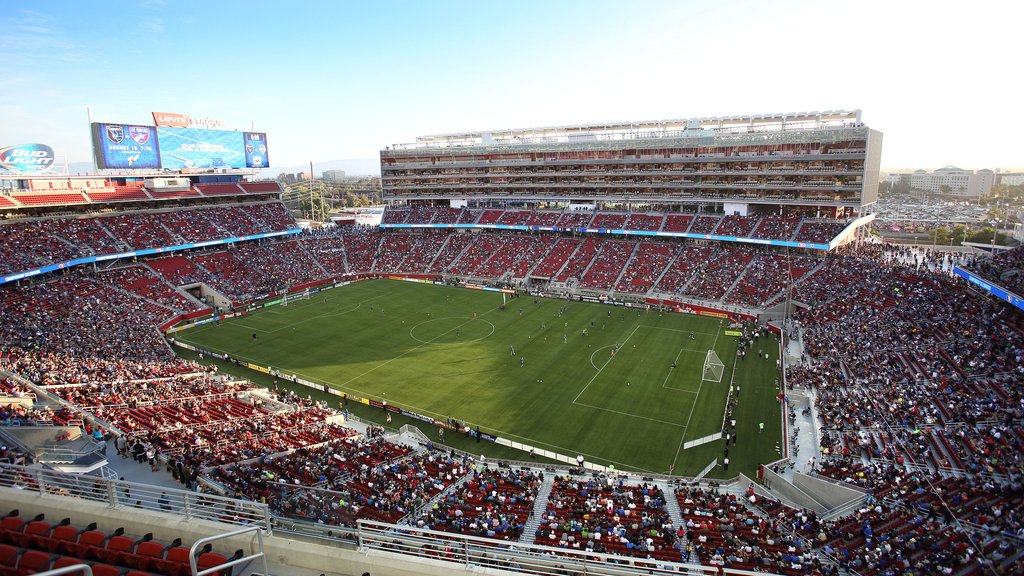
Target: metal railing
(475, 553)
(81, 569)
(116, 493)
(258, 556)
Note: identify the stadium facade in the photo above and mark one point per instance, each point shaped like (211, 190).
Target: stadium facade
(808, 164)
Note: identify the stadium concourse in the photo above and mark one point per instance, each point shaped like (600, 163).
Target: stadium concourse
(912, 380)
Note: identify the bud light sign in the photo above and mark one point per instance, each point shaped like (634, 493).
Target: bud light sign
(26, 158)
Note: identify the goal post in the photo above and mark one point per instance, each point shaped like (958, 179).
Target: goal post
(303, 295)
(713, 367)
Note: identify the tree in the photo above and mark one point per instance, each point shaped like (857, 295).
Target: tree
(984, 236)
(958, 234)
(940, 235)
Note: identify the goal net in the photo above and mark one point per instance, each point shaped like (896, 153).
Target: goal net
(713, 367)
(303, 295)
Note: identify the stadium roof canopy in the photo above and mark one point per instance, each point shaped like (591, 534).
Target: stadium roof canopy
(754, 122)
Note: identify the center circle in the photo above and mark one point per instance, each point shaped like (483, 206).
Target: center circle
(451, 330)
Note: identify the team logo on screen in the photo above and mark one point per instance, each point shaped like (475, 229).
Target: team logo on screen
(139, 133)
(115, 134)
(249, 149)
(262, 148)
(257, 161)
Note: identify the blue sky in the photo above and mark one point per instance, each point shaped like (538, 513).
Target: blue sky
(329, 80)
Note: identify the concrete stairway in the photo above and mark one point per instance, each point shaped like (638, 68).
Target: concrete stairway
(539, 507)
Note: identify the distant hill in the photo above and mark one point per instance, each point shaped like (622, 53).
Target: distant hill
(81, 168)
(352, 167)
(359, 167)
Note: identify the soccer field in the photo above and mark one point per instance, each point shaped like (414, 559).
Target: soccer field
(570, 377)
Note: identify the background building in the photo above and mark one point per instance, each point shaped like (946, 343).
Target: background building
(815, 163)
(334, 174)
(1010, 179)
(948, 180)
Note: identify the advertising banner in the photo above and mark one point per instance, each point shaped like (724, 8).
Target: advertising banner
(26, 158)
(170, 119)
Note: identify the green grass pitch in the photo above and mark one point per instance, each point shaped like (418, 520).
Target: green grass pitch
(419, 347)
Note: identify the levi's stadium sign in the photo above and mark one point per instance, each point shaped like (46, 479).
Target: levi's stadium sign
(175, 120)
(26, 158)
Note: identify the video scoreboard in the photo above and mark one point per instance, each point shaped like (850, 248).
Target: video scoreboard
(130, 146)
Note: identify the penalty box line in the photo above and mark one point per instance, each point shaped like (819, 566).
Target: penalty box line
(630, 415)
(700, 386)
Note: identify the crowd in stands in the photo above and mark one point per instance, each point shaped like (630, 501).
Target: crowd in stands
(29, 244)
(344, 480)
(753, 226)
(1005, 269)
(610, 517)
(74, 330)
(492, 503)
(725, 532)
(147, 285)
(916, 380)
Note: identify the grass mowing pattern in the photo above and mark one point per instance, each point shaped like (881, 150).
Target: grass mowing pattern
(418, 346)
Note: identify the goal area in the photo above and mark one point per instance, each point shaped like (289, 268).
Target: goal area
(713, 367)
(303, 295)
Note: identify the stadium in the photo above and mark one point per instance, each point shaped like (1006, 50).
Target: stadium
(653, 347)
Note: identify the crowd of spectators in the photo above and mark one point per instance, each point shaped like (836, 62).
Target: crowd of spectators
(1005, 268)
(30, 244)
(609, 516)
(916, 381)
(725, 532)
(492, 503)
(143, 282)
(343, 480)
(73, 330)
(917, 388)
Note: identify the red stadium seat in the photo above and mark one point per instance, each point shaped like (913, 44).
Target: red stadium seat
(116, 550)
(106, 570)
(34, 561)
(209, 560)
(60, 535)
(9, 555)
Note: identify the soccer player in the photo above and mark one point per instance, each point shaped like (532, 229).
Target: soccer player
(522, 361)
(511, 350)
(253, 336)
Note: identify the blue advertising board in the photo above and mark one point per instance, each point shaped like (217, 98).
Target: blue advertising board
(990, 287)
(125, 146)
(194, 148)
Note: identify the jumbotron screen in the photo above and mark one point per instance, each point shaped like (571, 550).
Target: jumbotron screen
(149, 147)
(125, 146)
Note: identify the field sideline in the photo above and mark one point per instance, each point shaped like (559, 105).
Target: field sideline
(542, 371)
